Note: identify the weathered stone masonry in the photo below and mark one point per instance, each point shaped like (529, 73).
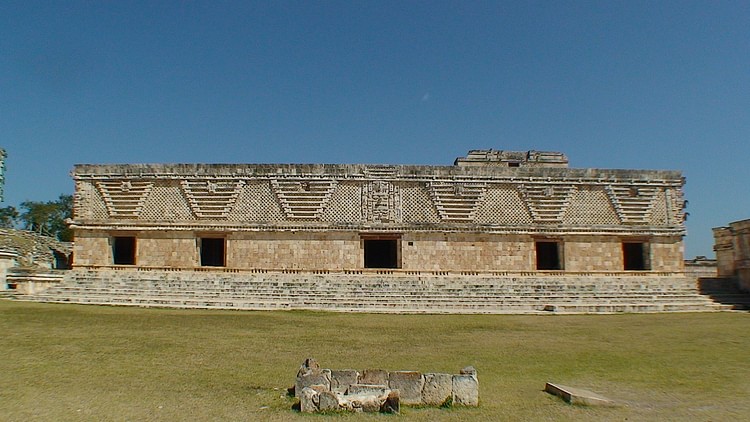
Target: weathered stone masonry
(732, 247)
(490, 211)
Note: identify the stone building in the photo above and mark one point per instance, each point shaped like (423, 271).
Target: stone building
(732, 247)
(490, 211)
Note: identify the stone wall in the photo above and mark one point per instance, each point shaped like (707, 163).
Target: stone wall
(335, 251)
(301, 250)
(467, 252)
(724, 249)
(483, 214)
(734, 256)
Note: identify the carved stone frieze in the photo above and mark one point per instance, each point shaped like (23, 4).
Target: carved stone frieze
(303, 198)
(124, 197)
(547, 202)
(211, 198)
(457, 201)
(381, 202)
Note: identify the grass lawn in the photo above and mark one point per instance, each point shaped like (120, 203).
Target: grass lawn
(70, 362)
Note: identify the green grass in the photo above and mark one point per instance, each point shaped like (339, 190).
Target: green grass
(69, 362)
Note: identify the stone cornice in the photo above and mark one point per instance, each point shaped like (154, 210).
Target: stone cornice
(375, 172)
(365, 228)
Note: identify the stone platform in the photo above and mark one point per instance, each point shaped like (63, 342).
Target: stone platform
(383, 291)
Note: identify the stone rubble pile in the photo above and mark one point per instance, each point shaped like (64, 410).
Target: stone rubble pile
(377, 390)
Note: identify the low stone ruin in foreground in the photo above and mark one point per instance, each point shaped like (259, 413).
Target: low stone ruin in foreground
(378, 390)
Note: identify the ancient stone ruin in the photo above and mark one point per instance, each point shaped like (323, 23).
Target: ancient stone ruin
(378, 390)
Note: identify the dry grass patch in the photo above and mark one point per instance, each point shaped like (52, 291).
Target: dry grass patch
(69, 362)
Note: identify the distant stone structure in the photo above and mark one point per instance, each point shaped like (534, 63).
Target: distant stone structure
(732, 247)
(492, 210)
(28, 260)
(496, 232)
(700, 267)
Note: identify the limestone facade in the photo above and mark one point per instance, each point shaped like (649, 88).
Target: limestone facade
(732, 247)
(491, 211)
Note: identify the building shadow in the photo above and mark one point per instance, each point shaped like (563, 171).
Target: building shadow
(725, 291)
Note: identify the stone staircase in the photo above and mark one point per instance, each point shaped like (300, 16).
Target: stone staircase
(389, 292)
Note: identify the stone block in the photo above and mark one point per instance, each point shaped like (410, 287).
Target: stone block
(392, 403)
(409, 384)
(465, 390)
(437, 389)
(370, 401)
(328, 400)
(342, 379)
(366, 389)
(318, 377)
(373, 377)
(307, 400)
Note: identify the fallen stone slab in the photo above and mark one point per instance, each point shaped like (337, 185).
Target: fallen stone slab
(578, 396)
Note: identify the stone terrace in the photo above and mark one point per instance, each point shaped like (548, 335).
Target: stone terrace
(386, 291)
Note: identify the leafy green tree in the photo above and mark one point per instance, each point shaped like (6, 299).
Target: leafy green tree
(8, 217)
(48, 218)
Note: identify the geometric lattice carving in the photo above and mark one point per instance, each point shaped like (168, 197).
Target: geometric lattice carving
(124, 198)
(256, 203)
(590, 205)
(456, 201)
(632, 203)
(89, 202)
(166, 202)
(417, 206)
(211, 198)
(659, 210)
(381, 202)
(547, 202)
(303, 199)
(502, 205)
(345, 205)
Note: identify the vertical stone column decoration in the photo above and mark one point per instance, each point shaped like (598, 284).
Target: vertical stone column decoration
(124, 197)
(381, 202)
(676, 205)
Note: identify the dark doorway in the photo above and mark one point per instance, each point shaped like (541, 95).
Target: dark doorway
(381, 253)
(212, 252)
(62, 261)
(123, 250)
(548, 256)
(634, 256)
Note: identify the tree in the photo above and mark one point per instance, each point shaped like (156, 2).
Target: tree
(48, 218)
(8, 217)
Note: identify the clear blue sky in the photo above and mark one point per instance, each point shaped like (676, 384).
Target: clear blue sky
(613, 84)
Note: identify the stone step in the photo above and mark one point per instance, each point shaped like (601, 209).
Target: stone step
(381, 293)
(382, 296)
